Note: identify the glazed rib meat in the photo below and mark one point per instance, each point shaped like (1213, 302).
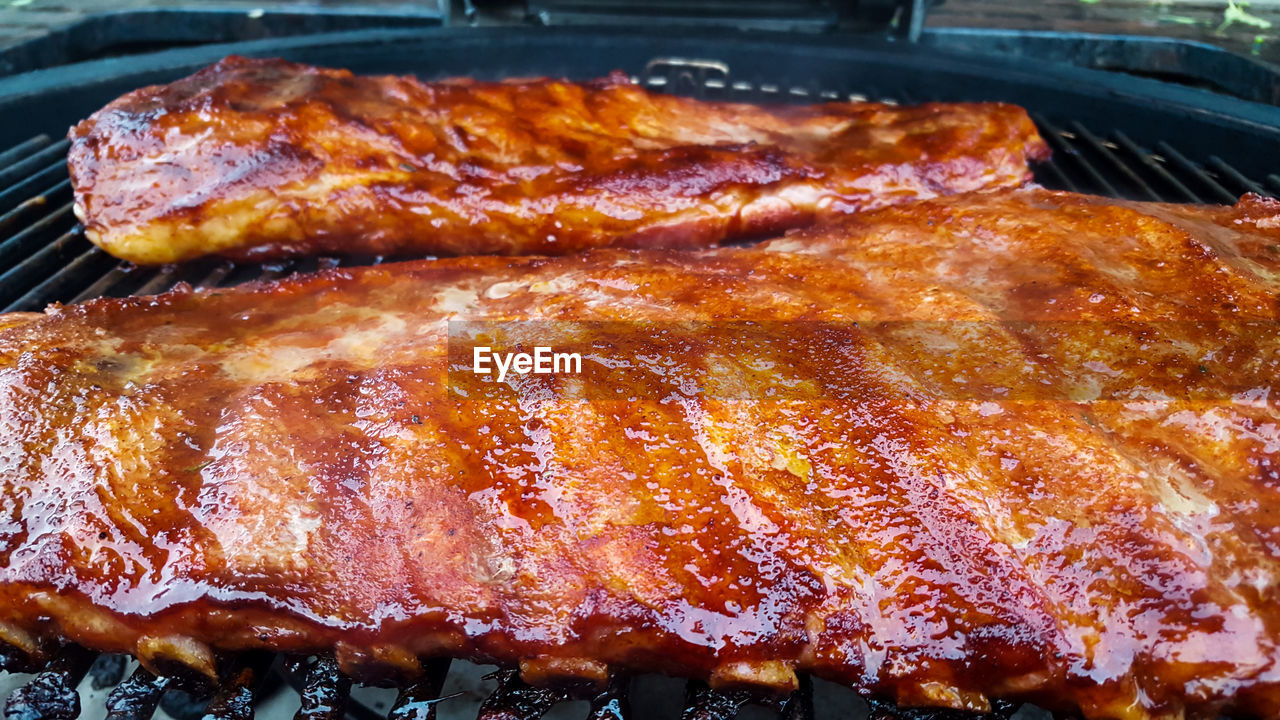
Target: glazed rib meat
(265, 158)
(1012, 445)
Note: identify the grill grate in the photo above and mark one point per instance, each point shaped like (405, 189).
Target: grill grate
(44, 258)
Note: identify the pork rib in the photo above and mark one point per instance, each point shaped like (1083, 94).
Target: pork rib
(265, 158)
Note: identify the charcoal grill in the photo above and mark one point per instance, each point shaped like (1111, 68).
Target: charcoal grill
(1113, 135)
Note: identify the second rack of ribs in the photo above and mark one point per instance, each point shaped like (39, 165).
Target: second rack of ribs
(1012, 445)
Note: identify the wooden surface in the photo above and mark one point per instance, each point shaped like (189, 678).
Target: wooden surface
(1250, 28)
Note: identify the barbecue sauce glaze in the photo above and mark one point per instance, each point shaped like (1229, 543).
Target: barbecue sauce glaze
(1017, 445)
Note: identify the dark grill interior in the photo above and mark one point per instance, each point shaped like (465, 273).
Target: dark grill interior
(44, 258)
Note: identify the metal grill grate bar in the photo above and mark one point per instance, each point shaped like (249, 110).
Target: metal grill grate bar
(107, 281)
(324, 692)
(56, 154)
(91, 263)
(31, 239)
(240, 273)
(1183, 193)
(23, 149)
(137, 697)
(1232, 175)
(1100, 147)
(1216, 193)
(703, 703)
(50, 262)
(276, 271)
(1057, 138)
(234, 698)
(800, 705)
(107, 671)
(11, 220)
(1057, 178)
(215, 276)
(418, 701)
(516, 700)
(611, 703)
(156, 281)
(29, 189)
(199, 273)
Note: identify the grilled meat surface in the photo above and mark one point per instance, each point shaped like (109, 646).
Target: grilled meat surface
(1011, 445)
(265, 158)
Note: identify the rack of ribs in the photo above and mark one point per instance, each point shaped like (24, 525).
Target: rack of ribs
(255, 159)
(1015, 445)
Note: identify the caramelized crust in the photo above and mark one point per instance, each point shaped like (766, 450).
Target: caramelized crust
(1015, 445)
(265, 158)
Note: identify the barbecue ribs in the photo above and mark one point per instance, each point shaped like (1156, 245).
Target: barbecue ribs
(265, 158)
(1010, 445)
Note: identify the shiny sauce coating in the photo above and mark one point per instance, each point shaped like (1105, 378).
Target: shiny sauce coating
(256, 158)
(1011, 445)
